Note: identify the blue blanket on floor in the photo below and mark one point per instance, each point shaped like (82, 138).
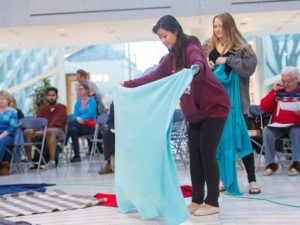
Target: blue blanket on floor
(15, 188)
(235, 141)
(146, 178)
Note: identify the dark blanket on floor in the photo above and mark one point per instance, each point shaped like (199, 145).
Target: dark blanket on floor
(112, 201)
(15, 188)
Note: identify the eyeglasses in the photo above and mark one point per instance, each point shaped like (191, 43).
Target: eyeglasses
(289, 81)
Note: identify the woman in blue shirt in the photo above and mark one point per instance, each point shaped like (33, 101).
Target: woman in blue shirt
(8, 123)
(83, 119)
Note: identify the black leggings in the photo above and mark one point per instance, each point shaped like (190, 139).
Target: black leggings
(249, 161)
(108, 144)
(204, 138)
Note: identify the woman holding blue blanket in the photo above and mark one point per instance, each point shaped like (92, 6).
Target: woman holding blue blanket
(233, 62)
(205, 105)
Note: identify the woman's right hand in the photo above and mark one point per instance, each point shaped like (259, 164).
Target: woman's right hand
(210, 63)
(278, 86)
(121, 83)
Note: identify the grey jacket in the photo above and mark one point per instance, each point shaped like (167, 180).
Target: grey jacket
(244, 63)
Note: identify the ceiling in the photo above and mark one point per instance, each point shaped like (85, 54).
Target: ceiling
(139, 30)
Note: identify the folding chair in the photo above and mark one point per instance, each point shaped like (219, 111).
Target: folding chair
(179, 141)
(257, 121)
(283, 150)
(15, 150)
(101, 121)
(35, 123)
(61, 150)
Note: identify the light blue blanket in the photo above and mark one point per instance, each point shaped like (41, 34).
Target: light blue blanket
(146, 178)
(235, 140)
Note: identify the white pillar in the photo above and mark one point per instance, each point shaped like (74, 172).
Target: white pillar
(62, 78)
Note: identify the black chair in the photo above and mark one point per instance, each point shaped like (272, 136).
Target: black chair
(179, 140)
(257, 120)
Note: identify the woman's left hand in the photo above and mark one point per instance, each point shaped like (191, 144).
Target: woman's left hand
(79, 120)
(221, 60)
(197, 71)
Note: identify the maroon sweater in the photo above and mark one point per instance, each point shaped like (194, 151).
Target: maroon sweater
(57, 118)
(205, 98)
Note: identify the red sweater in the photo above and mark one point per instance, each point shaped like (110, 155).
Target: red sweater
(57, 118)
(205, 98)
(270, 103)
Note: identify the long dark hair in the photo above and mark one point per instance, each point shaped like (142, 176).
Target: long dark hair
(169, 23)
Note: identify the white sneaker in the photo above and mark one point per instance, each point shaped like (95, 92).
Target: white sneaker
(268, 172)
(51, 164)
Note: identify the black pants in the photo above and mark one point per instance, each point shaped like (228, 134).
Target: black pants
(75, 130)
(204, 138)
(248, 161)
(108, 144)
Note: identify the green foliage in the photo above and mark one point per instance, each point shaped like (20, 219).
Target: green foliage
(39, 95)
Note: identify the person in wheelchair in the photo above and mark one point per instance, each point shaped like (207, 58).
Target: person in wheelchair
(284, 101)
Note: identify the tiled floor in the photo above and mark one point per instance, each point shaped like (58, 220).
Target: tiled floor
(276, 205)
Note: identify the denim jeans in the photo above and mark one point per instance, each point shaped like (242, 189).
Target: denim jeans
(271, 134)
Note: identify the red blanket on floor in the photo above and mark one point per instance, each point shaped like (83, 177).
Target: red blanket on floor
(112, 201)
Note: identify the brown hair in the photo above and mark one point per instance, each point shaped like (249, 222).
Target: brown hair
(82, 73)
(232, 36)
(86, 87)
(169, 23)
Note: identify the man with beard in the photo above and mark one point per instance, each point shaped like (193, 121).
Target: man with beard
(56, 114)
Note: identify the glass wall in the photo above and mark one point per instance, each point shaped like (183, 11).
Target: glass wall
(21, 69)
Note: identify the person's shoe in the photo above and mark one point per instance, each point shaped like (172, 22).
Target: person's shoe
(205, 210)
(270, 169)
(193, 207)
(107, 169)
(32, 166)
(254, 188)
(51, 164)
(76, 158)
(221, 186)
(112, 163)
(294, 169)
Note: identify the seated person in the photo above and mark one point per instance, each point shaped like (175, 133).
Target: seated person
(83, 119)
(109, 143)
(8, 123)
(13, 104)
(56, 114)
(285, 90)
(82, 77)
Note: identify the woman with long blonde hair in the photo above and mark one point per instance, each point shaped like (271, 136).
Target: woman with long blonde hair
(233, 62)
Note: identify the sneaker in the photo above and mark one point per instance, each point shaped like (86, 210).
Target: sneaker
(107, 169)
(32, 166)
(294, 169)
(75, 158)
(270, 169)
(51, 164)
(205, 210)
